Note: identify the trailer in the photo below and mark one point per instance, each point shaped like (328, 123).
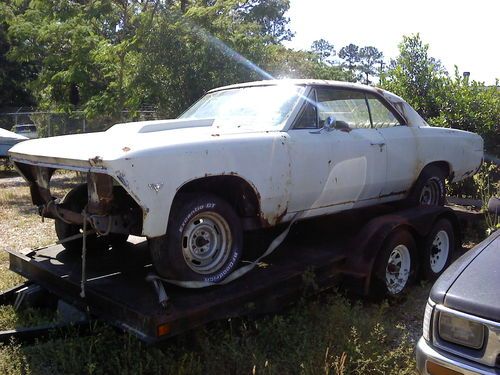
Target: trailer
(357, 249)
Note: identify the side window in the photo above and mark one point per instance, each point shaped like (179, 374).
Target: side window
(309, 117)
(382, 117)
(349, 108)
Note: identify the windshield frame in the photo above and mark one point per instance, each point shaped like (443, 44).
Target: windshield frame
(284, 126)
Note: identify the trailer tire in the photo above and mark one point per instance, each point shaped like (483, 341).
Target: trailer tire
(438, 250)
(395, 266)
(203, 242)
(76, 200)
(429, 189)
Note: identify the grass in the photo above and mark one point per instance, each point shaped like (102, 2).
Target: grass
(327, 334)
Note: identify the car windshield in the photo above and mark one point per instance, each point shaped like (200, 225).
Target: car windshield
(257, 107)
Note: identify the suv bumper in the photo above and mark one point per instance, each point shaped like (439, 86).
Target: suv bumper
(425, 353)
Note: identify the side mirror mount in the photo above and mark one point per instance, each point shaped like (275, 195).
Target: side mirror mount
(330, 123)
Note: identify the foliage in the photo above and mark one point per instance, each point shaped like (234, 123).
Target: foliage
(14, 75)
(415, 76)
(111, 55)
(488, 185)
(324, 50)
(443, 100)
(350, 54)
(470, 106)
(362, 62)
(482, 186)
(369, 57)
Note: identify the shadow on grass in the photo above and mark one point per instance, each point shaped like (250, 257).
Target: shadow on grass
(8, 173)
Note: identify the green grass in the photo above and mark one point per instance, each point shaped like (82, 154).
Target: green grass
(327, 334)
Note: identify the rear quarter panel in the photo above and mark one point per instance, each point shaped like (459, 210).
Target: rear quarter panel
(462, 150)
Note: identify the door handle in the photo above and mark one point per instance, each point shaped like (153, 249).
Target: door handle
(381, 144)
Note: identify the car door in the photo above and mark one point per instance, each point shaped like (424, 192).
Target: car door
(400, 142)
(341, 166)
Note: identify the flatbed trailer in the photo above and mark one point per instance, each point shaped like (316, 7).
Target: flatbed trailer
(325, 251)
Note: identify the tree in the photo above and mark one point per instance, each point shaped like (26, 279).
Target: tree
(110, 55)
(15, 75)
(270, 16)
(324, 50)
(470, 106)
(415, 76)
(350, 54)
(369, 57)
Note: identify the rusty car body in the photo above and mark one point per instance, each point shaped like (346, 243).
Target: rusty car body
(245, 156)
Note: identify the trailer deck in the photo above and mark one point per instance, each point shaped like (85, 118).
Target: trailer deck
(317, 252)
(117, 290)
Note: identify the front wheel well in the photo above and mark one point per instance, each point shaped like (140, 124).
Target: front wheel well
(235, 190)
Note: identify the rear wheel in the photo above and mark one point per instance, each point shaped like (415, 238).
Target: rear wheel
(395, 265)
(203, 242)
(429, 189)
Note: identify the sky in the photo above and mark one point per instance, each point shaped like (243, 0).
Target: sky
(462, 33)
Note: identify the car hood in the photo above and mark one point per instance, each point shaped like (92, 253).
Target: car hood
(471, 284)
(120, 141)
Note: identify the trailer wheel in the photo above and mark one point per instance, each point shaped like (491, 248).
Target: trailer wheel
(429, 190)
(438, 250)
(395, 266)
(204, 240)
(75, 200)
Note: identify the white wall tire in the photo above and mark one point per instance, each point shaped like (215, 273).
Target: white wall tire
(203, 242)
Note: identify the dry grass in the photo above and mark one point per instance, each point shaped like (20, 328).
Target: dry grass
(20, 225)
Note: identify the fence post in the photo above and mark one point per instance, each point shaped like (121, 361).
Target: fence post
(84, 124)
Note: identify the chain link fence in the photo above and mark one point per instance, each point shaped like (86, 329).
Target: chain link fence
(50, 124)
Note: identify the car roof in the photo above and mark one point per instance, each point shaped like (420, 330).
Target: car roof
(302, 82)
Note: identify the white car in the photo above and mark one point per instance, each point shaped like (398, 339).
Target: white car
(245, 156)
(26, 130)
(7, 140)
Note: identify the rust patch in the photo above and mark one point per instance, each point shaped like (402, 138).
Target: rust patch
(96, 161)
(100, 192)
(392, 193)
(274, 219)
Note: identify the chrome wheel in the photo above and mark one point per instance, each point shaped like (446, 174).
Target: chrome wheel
(206, 242)
(431, 193)
(397, 272)
(440, 251)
